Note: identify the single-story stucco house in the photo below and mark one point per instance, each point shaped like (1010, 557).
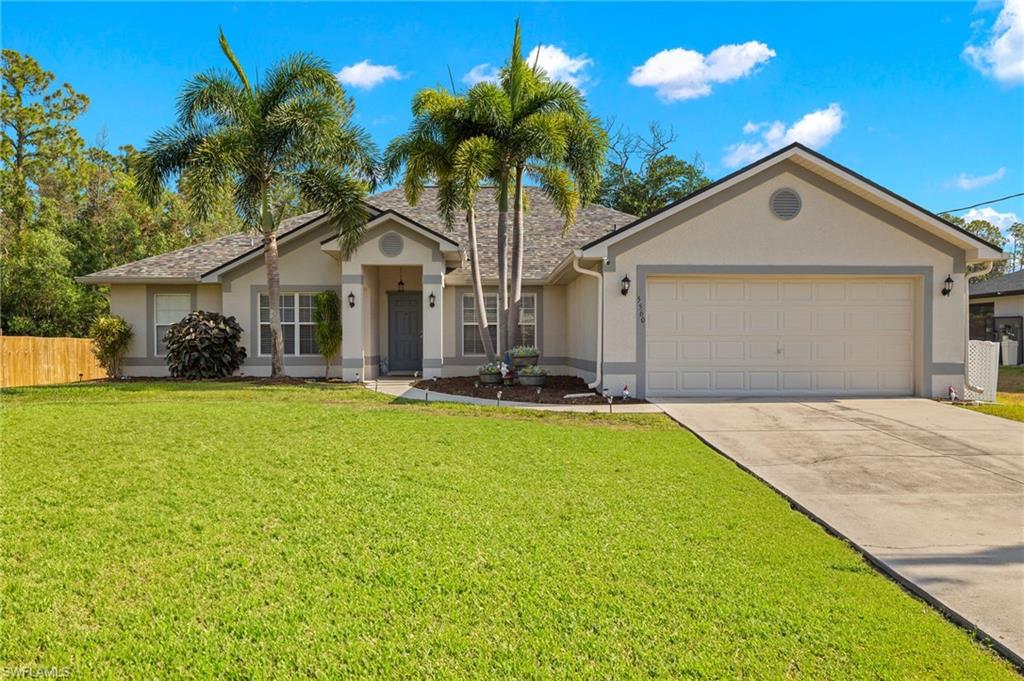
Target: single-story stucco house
(997, 311)
(791, 276)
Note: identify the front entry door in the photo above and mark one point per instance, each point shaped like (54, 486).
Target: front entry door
(405, 332)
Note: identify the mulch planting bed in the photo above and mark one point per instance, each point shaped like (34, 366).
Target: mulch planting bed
(553, 392)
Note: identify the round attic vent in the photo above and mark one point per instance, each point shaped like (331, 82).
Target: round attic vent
(785, 204)
(391, 245)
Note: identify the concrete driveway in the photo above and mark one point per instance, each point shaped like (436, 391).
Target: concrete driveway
(933, 492)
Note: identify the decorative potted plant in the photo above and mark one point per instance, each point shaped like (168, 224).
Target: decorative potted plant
(532, 375)
(490, 373)
(524, 355)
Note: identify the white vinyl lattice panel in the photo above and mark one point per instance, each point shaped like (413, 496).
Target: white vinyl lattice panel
(982, 370)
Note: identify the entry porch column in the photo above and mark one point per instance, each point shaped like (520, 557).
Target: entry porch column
(433, 319)
(352, 313)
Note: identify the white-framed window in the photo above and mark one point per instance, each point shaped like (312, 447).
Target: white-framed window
(471, 344)
(296, 324)
(168, 308)
(527, 320)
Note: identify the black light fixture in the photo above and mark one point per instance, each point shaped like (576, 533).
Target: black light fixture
(947, 286)
(431, 299)
(401, 282)
(625, 285)
(351, 299)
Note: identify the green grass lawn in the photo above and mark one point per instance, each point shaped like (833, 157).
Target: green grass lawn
(1009, 396)
(160, 529)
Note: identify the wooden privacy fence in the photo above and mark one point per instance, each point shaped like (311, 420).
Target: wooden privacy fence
(28, 360)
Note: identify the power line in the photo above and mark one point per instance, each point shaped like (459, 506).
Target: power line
(983, 203)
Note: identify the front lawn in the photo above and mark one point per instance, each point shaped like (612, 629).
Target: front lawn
(1009, 402)
(164, 529)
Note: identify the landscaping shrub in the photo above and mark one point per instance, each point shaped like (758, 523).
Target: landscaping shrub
(111, 337)
(327, 332)
(204, 345)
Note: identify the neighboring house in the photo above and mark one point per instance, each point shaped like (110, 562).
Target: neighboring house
(997, 311)
(791, 276)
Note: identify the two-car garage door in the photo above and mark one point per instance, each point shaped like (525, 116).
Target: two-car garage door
(779, 336)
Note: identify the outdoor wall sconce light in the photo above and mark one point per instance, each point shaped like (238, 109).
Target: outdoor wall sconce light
(431, 299)
(947, 286)
(401, 281)
(625, 285)
(351, 299)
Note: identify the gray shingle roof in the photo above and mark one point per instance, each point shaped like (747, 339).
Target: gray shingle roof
(545, 246)
(192, 261)
(1008, 283)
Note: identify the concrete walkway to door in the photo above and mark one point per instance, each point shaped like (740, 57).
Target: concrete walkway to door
(932, 491)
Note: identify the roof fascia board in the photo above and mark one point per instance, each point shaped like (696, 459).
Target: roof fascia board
(108, 281)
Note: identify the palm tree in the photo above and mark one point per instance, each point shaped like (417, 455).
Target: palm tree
(539, 129)
(442, 146)
(291, 134)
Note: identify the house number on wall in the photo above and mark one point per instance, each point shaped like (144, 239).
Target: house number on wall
(640, 309)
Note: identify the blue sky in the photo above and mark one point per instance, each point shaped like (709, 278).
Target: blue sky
(926, 99)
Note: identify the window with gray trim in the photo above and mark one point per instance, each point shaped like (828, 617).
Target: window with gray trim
(296, 324)
(471, 343)
(168, 308)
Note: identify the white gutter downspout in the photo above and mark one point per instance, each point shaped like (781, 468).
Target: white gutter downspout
(967, 324)
(600, 323)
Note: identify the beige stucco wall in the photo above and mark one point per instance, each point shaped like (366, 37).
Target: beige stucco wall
(741, 231)
(134, 304)
(581, 332)
(369, 274)
(303, 266)
(128, 301)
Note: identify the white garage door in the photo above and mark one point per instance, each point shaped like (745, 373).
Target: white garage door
(771, 336)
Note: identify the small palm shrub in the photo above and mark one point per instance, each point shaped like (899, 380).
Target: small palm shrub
(204, 345)
(111, 337)
(327, 332)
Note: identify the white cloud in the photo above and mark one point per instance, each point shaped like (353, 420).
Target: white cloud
(367, 76)
(556, 63)
(679, 74)
(1002, 54)
(559, 65)
(481, 73)
(1001, 220)
(815, 130)
(969, 182)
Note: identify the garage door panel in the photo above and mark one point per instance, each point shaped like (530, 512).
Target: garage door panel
(690, 350)
(797, 321)
(726, 291)
(695, 291)
(728, 320)
(661, 291)
(662, 350)
(695, 380)
(780, 336)
(830, 321)
(761, 321)
(763, 290)
(729, 350)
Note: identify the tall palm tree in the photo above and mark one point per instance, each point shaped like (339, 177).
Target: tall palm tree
(290, 134)
(443, 146)
(540, 130)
